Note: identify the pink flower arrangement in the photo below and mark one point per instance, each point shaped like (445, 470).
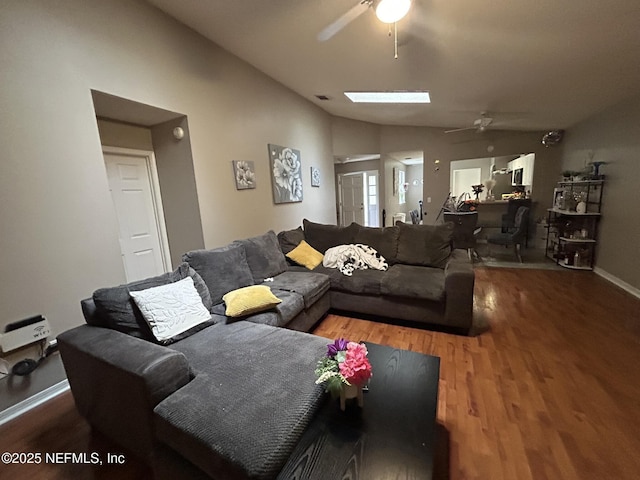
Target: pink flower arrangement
(345, 363)
(356, 368)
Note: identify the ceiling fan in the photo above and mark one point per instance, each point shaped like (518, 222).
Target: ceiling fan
(479, 125)
(388, 11)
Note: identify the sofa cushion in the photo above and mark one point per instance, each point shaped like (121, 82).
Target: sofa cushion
(222, 269)
(428, 245)
(171, 309)
(116, 309)
(323, 237)
(242, 416)
(290, 306)
(361, 281)
(384, 240)
(290, 239)
(425, 283)
(305, 255)
(264, 256)
(308, 284)
(247, 300)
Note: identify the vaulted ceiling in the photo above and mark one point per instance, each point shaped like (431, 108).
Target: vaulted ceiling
(533, 65)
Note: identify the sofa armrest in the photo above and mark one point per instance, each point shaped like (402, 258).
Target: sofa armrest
(459, 279)
(117, 380)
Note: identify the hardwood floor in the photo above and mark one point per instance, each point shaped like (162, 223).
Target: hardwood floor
(548, 388)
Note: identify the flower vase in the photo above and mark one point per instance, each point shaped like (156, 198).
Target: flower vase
(581, 207)
(350, 391)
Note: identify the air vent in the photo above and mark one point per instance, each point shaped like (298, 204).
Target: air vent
(323, 97)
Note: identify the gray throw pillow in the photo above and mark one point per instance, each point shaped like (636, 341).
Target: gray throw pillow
(383, 239)
(290, 239)
(264, 256)
(116, 309)
(222, 269)
(426, 245)
(323, 237)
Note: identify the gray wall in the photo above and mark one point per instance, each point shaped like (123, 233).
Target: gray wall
(176, 176)
(117, 134)
(59, 236)
(436, 145)
(612, 136)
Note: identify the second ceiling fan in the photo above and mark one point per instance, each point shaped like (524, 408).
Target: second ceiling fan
(479, 125)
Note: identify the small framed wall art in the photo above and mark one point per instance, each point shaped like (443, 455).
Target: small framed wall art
(315, 177)
(244, 173)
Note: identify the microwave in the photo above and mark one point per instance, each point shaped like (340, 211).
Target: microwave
(516, 177)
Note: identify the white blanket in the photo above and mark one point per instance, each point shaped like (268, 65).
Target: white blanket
(348, 258)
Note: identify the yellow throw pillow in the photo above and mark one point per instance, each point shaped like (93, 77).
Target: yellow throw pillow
(248, 300)
(305, 255)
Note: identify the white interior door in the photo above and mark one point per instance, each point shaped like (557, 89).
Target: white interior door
(135, 202)
(462, 179)
(352, 198)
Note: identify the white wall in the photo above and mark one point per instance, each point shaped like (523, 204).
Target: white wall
(391, 200)
(59, 238)
(414, 194)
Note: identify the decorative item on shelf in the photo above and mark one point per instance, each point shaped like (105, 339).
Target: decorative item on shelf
(466, 204)
(477, 190)
(344, 370)
(596, 169)
(581, 204)
(558, 198)
(490, 183)
(570, 175)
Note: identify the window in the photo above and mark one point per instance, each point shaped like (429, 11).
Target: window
(372, 199)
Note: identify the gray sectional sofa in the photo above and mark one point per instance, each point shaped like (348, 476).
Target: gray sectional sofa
(427, 281)
(230, 397)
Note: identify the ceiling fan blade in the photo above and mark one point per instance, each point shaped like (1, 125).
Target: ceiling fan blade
(343, 21)
(460, 129)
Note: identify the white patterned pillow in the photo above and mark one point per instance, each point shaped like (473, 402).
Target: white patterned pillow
(171, 309)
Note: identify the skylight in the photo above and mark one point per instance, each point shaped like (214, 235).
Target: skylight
(389, 97)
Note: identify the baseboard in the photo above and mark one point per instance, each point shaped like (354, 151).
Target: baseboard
(616, 281)
(33, 401)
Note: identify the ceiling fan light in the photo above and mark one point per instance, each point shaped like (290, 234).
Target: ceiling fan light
(390, 11)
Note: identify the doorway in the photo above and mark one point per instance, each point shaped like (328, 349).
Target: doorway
(359, 198)
(135, 191)
(352, 198)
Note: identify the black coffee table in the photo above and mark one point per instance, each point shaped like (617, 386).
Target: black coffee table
(392, 437)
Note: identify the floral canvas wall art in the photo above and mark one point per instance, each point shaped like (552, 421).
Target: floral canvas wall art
(286, 174)
(315, 177)
(244, 173)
